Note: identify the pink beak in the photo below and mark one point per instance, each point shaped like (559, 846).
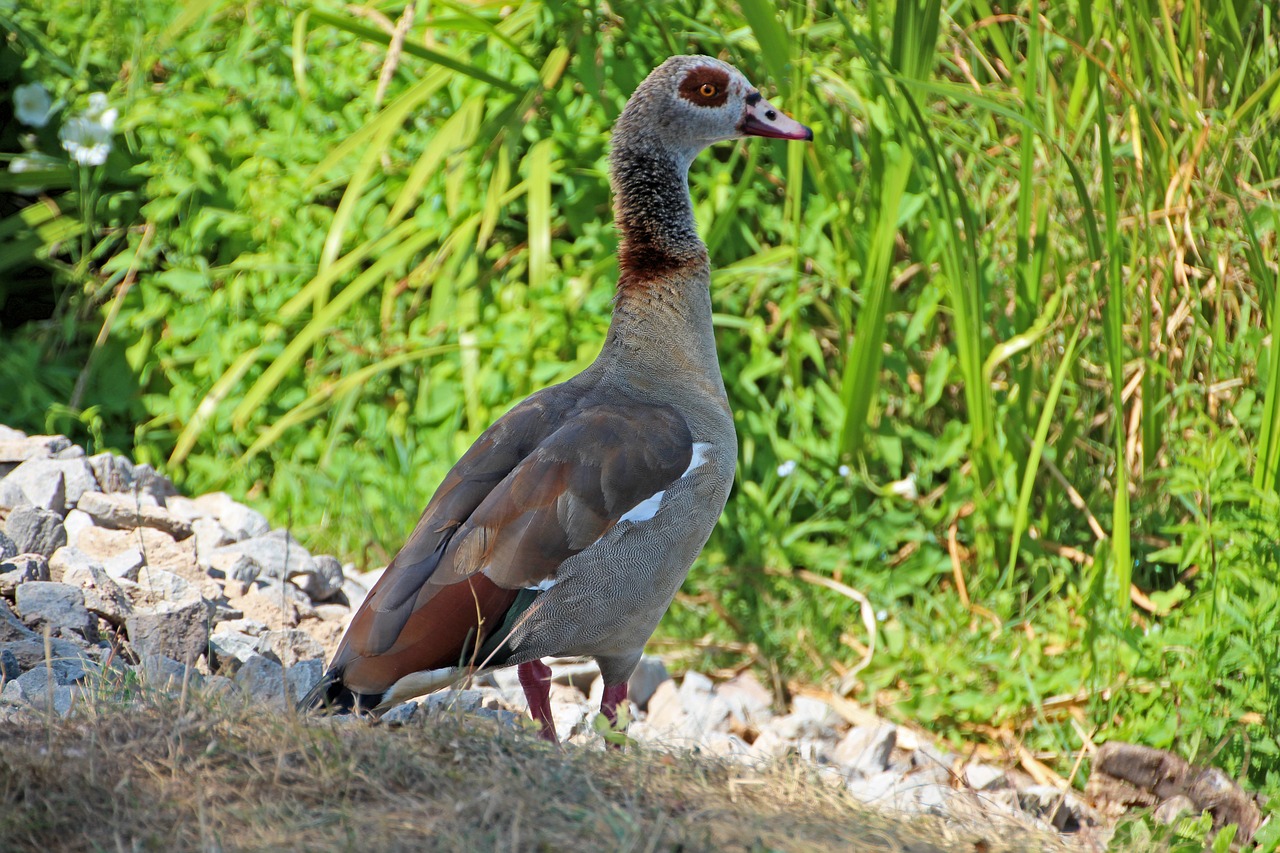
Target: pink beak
(763, 119)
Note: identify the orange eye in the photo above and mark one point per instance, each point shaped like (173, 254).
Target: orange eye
(708, 90)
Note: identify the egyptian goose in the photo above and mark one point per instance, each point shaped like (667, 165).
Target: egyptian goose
(569, 525)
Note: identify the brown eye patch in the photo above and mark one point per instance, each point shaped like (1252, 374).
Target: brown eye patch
(706, 87)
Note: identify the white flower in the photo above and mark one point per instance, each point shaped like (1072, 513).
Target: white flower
(786, 468)
(32, 105)
(905, 488)
(101, 111)
(87, 141)
(844, 470)
(882, 615)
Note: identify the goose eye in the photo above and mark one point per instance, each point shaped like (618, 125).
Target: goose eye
(708, 90)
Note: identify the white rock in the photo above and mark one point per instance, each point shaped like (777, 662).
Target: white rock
(864, 751)
(75, 522)
(125, 565)
(37, 478)
(981, 777)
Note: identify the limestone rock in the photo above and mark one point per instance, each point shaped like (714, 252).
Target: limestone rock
(278, 553)
(262, 681)
(17, 447)
(7, 547)
(230, 649)
(179, 631)
(35, 530)
(34, 688)
(325, 582)
(239, 521)
(289, 646)
(20, 569)
(864, 751)
(209, 533)
(123, 512)
(102, 595)
(75, 522)
(55, 484)
(113, 473)
(58, 605)
(165, 673)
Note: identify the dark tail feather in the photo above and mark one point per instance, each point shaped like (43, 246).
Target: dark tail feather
(331, 696)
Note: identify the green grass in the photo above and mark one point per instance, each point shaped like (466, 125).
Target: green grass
(1029, 263)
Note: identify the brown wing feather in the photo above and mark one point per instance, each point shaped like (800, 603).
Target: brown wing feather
(533, 491)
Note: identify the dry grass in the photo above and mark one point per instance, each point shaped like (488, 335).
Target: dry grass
(159, 774)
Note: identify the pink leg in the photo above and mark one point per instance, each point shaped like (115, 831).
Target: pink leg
(535, 678)
(613, 694)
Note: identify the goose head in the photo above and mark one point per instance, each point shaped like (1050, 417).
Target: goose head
(690, 102)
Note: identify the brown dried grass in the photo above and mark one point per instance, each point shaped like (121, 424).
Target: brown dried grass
(159, 773)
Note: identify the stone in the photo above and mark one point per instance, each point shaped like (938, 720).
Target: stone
(102, 595)
(233, 566)
(146, 481)
(750, 704)
(262, 681)
(1062, 810)
(220, 686)
(301, 677)
(453, 700)
(809, 718)
(67, 658)
(35, 689)
(650, 672)
(239, 521)
(209, 533)
(126, 565)
(158, 588)
(230, 649)
(158, 548)
(123, 512)
(20, 569)
(11, 627)
(75, 522)
(165, 673)
(865, 750)
(45, 489)
(180, 631)
(38, 481)
(35, 530)
(355, 591)
(9, 666)
(325, 582)
(57, 605)
(279, 554)
(984, 777)
(400, 714)
(7, 547)
(16, 446)
(289, 646)
(113, 473)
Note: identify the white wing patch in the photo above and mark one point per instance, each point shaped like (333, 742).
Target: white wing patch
(648, 507)
(543, 586)
(700, 451)
(644, 510)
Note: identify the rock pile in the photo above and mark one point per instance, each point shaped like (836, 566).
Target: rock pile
(108, 574)
(119, 572)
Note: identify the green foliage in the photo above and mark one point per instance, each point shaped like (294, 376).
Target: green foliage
(1007, 321)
